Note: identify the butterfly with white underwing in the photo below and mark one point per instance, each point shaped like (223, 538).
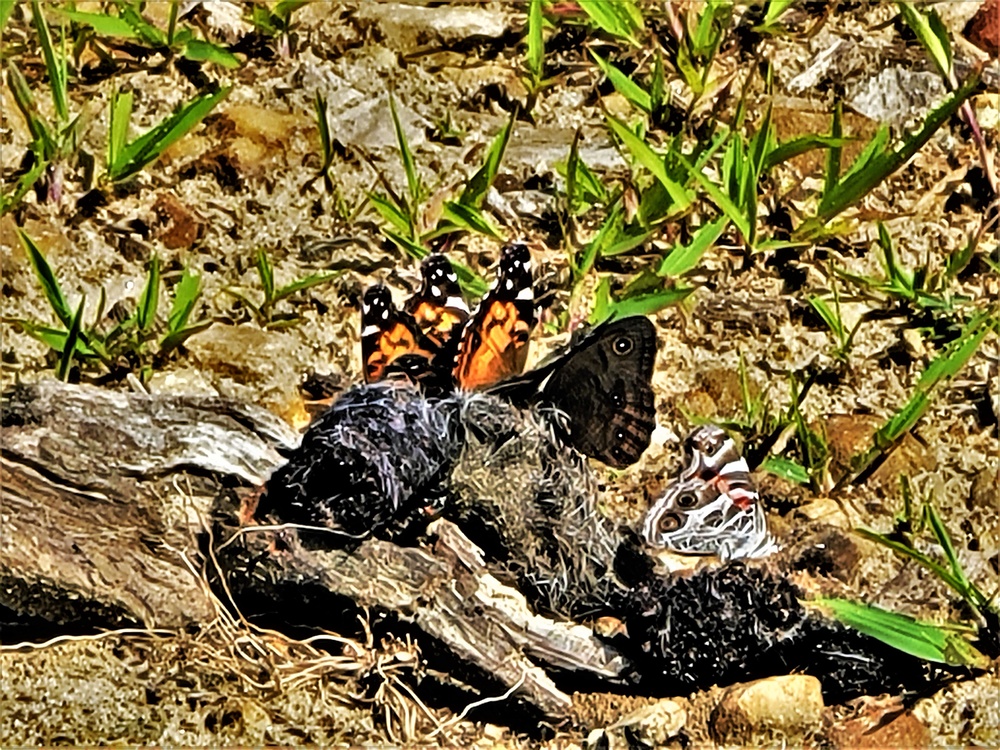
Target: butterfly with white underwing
(713, 507)
(600, 390)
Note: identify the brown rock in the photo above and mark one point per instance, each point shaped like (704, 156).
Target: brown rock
(827, 551)
(983, 29)
(789, 707)
(850, 435)
(179, 226)
(878, 731)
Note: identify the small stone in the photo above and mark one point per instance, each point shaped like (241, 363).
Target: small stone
(790, 706)
(906, 730)
(407, 28)
(983, 29)
(824, 509)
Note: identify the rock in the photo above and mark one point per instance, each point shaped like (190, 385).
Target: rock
(983, 29)
(827, 551)
(789, 707)
(874, 731)
(824, 509)
(407, 28)
(651, 726)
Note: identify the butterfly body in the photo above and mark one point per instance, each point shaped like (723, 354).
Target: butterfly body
(713, 506)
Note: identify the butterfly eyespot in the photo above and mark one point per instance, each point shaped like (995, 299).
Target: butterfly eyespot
(687, 500)
(623, 345)
(668, 522)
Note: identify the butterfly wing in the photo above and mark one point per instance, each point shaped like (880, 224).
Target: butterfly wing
(391, 341)
(603, 387)
(713, 507)
(494, 342)
(438, 308)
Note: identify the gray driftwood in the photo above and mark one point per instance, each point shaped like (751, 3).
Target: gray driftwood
(105, 494)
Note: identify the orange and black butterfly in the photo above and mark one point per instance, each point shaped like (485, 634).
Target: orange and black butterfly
(435, 341)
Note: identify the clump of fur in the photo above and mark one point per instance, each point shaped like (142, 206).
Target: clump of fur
(530, 502)
(369, 463)
(739, 623)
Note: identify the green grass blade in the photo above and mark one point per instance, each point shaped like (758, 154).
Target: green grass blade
(648, 158)
(266, 273)
(931, 32)
(25, 102)
(936, 524)
(48, 281)
(389, 211)
(682, 258)
(787, 469)
(148, 147)
(948, 364)
(149, 34)
(775, 9)
(121, 114)
(175, 338)
(723, 201)
(535, 59)
(908, 551)
(24, 184)
(308, 282)
(186, 294)
(103, 24)
(638, 304)
(477, 187)
(323, 123)
(870, 172)
(925, 640)
(6, 8)
(609, 230)
(469, 219)
(829, 317)
(624, 85)
(201, 51)
(619, 18)
(55, 63)
(69, 347)
(801, 145)
(409, 165)
(149, 300)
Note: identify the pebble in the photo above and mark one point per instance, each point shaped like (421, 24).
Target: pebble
(790, 706)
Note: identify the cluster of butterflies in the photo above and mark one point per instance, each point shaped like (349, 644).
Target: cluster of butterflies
(599, 388)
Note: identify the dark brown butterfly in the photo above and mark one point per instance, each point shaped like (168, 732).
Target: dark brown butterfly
(601, 385)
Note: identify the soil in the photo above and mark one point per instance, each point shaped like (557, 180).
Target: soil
(246, 180)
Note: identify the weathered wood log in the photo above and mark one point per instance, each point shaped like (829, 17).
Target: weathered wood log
(106, 494)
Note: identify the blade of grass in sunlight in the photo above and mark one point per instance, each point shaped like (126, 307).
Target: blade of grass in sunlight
(652, 161)
(147, 148)
(926, 640)
(409, 165)
(47, 279)
(479, 184)
(149, 300)
(69, 346)
(786, 468)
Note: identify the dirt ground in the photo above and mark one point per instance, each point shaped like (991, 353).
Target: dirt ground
(245, 180)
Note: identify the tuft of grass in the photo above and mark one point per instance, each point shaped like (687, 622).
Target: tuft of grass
(943, 368)
(124, 20)
(141, 339)
(126, 158)
(943, 643)
(264, 311)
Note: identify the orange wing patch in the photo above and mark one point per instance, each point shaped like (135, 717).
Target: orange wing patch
(392, 344)
(495, 349)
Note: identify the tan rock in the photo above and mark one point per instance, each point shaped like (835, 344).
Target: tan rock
(789, 707)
